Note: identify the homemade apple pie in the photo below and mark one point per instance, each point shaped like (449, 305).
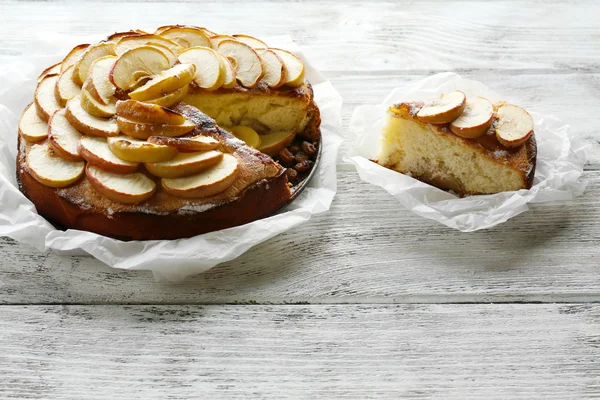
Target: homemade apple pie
(469, 146)
(167, 135)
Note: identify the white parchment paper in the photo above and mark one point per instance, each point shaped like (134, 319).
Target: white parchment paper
(560, 161)
(171, 260)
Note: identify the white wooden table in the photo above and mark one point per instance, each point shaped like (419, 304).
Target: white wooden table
(369, 300)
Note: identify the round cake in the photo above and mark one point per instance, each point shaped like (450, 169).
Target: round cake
(167, 135)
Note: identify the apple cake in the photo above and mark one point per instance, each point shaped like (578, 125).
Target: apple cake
(167, 135)
(469, 146)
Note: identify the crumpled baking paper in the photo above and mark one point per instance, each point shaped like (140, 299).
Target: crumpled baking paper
(561, 157)
(170, 260)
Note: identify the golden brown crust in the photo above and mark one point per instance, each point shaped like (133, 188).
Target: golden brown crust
(522, 159)
(259, 200)
(260, 191)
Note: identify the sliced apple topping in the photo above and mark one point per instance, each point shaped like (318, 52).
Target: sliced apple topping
(251, 41)
(73, 56)
(187, 36)
(216, 39)
(44, 98)
(128, 189)
(95, 108)
(115, 37)
(65, 88)
(513, 126)
(95, 151)
(248, 67)
(166, 51)
(135, 150)
(89, 124)
(230, 80)
(140, 130)
(274, 75)
(165, 82)
(207, 183)
(50, 170)
(63, 138)
(91, 54)
(131, 42)
(443, 110)
(210, 70)
(170, 99)
(186, 144)
(293, 67)
(138, 111)
(98, 83)
(475, 120)
(247, 134)
(273, 143)
(31, 127)
(185, 164)
(135, 66)
(51, 70)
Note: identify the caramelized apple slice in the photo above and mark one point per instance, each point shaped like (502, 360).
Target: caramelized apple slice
(140, 130)
(293, 67)
(186, 144)
(187, 36)
(210, 70)
(51, 170)
(135, 150)
(73, 56)
(170, 99)
(166, 82)
(51, 70)
(248, 67)
(98, 83)
(514, 125)
(91, 54)
(247, 134)
(63, 138)
(89, 124)
(134, 66)
(274, 75)
(65, 88)
(229, 80)
(128, 189)
(443, 110)
(95, 108)
(31, 127)
(251, 41)
(216, 39)
(185, 164)
(115, 37)
(138, 111)
(44, 98)
(131, 42)
(475, 120)
(95, 151)
(273, 143)
(207, 183)
(166, 51)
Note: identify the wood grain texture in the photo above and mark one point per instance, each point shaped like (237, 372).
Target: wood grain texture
(284, 352)
(367, 249)
(359, 36)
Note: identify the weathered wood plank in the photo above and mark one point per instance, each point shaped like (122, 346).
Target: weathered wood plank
(366, 249)
(355, 352)
(361, 36)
